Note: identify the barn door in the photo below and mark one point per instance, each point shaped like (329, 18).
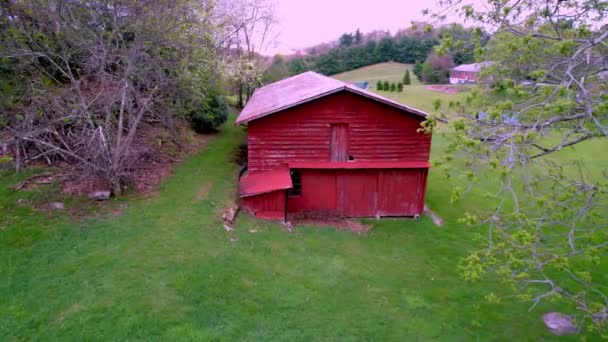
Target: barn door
(357, 193)
(339, 143)
(399, 192)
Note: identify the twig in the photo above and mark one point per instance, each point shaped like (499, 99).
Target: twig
(22, 184)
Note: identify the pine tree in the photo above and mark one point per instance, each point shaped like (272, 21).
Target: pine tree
(406, 78)
(393, 87)
(418, 70)
(386, 86)
(400, 87)
(379, 86)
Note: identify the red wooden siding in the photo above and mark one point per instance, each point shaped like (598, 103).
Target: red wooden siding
(376, 132)
(269, 205)
(405, 188)
(359, 193)
(318, 196)
(464, 75)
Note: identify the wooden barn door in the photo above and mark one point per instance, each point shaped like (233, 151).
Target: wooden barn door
(338, 148)
(400, 192)
(357, 193)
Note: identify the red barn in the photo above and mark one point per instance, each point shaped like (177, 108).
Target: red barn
(318, 147)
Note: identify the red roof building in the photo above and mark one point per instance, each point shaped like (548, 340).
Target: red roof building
(318, 147)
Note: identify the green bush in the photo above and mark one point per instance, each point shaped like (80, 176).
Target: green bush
(209, 115)
(379, 86)
(406, 77)
(393, 87)
(386, 86)
(400, 87)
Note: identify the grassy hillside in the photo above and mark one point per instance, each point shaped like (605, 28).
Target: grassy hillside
(416, 95)
(165, 269)
(391, 72)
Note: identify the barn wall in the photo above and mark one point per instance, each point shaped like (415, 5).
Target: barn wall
(359, 193)
(376, 132)
(318, 198)
(269, 205)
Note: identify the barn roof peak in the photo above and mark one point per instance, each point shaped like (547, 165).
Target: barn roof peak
(303, 88)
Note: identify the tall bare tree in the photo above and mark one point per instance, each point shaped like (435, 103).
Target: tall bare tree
(92, 71)
(252, 30)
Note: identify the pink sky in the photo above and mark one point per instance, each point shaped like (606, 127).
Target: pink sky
(303, 23)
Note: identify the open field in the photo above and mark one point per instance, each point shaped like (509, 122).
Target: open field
(391, 72)
(165, 269)
(415, 95)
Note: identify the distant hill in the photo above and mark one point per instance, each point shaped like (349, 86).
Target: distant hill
(390, 71)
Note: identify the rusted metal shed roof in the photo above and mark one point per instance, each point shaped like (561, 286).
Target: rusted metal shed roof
(263, 182)
(303, 88)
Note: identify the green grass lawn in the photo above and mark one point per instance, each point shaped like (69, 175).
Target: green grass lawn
(391, 72)
(166, 270)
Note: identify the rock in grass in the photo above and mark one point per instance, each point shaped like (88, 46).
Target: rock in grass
(559, 324)
(100, 195)
(57, 205)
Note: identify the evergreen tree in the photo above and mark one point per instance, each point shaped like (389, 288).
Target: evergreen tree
(357, 37)
(386, 86)
(346, 39)
(393, 87)
(379, 86)
(400, 87)
(406, 78)
(418, 70)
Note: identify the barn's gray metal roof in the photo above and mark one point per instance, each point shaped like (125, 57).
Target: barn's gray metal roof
(475, 67)
(303, 88)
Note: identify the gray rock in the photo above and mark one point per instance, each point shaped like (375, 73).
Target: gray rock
(57, 205)
(559, 324)
(103, 195)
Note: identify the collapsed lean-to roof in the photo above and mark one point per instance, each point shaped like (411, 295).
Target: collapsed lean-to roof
(303, 88)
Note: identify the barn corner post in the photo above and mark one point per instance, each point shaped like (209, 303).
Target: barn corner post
(285, 210)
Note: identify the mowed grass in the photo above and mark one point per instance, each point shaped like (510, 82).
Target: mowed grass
(166, 270)
(391, 72)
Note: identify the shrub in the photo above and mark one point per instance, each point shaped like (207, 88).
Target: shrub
(393, 87)
(436, 69)
(406, 78)
(386, 86)
(209, 115)
(400, 87)
(379, 86)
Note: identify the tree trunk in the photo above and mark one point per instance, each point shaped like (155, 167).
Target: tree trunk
(240, 95)
(115, 186)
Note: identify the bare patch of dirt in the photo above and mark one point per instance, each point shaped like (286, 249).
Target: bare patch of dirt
(69, 311)
(203, 192)
(116, 212)
(340, 224)
(438, 221)
(78, 184)
(444, 89)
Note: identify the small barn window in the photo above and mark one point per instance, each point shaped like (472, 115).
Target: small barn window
(296, 180)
